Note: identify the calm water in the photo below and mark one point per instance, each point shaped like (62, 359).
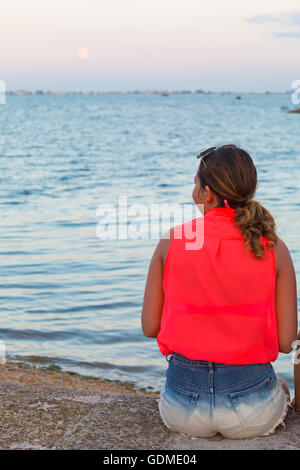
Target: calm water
(71, 299)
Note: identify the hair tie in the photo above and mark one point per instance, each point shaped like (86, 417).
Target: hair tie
(226, 204)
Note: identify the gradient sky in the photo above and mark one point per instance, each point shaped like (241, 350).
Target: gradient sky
(248, 45)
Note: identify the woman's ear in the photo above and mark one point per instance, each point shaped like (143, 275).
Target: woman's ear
(208, 194)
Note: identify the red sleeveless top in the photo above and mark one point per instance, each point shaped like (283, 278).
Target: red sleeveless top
(219, 300)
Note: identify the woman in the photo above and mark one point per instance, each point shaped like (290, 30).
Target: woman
(221, 313)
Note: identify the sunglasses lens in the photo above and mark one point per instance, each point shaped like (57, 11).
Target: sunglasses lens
(230, 146)
(212, 149)
(206, 152)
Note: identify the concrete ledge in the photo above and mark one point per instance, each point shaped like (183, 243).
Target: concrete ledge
(44, 417)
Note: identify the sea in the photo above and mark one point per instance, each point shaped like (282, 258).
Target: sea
(71, 299)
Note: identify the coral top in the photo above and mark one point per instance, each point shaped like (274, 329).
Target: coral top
(219, 303)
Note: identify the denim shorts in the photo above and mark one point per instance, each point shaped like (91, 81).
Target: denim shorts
(201, 398)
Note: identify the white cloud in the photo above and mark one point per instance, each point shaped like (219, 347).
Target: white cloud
(289, 20)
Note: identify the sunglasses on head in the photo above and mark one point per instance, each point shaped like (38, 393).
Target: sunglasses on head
(206, 152)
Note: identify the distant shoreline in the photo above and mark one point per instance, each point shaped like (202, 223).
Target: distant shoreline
(164, 93)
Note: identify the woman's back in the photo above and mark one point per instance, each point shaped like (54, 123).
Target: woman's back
(219, 301)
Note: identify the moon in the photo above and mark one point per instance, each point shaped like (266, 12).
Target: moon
(83, 53)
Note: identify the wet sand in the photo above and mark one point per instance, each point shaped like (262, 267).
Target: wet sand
(34, 376)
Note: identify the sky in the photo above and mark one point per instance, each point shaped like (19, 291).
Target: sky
(215, 45)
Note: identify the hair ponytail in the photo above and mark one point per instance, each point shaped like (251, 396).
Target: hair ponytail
(231, 174)
(255, 221)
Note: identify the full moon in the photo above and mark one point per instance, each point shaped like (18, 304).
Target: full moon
(82, 53)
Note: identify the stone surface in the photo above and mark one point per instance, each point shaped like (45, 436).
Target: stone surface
(35, 417)
(44, 417)
(119, 422)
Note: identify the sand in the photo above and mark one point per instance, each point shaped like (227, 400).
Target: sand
(31, 375)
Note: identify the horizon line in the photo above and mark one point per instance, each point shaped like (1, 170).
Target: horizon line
(39, 91)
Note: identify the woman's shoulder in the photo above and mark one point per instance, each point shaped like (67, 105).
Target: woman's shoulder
(282, 255)
(280, 249)
(190, 231)
(164, 243)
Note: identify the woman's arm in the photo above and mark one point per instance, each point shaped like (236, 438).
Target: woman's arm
(285, 298)
(154, 295)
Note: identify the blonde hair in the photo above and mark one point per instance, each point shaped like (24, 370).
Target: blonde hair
(231, 174)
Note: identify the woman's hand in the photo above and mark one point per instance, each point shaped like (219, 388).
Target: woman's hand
(296, 408)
